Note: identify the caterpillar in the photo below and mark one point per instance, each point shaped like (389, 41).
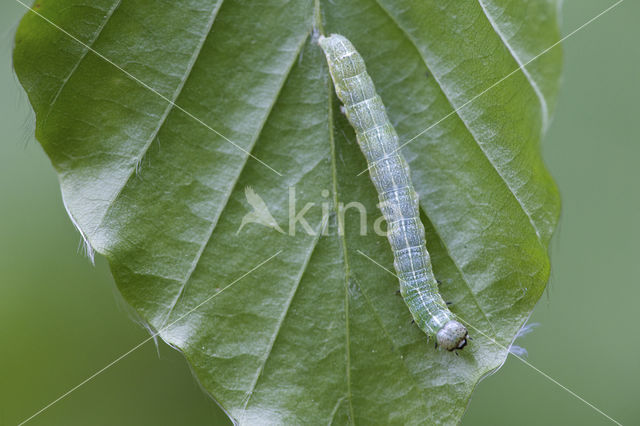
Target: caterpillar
(389, 173)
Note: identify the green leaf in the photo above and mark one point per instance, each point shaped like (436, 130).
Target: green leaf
(315, 334)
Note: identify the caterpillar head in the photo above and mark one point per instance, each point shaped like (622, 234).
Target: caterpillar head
(452, 336)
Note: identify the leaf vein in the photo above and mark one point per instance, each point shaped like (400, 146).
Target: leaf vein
(462, 275)
(466, 125)
(196, 260)
(87, 47)
(283, 316)
(391, 341)
(165, 113)
(543, 102)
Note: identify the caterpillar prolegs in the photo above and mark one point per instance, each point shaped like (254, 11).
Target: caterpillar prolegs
(389, 172)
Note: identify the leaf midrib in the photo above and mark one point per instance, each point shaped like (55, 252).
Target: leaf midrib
(343, 244)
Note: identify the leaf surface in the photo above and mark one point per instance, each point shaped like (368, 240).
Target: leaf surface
(157, 152)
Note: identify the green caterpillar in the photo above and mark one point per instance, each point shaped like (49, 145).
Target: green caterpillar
(389, 172)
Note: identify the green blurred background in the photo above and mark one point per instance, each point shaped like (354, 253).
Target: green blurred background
(62, 319)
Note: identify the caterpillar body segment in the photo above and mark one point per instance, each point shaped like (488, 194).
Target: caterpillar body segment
(389, 173)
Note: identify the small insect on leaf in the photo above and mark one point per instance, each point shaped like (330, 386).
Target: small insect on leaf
(389, 173)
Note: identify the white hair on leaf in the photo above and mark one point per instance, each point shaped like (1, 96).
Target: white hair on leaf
(87, 249)
(526, 329)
